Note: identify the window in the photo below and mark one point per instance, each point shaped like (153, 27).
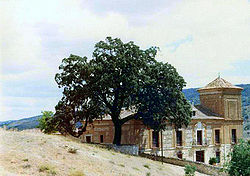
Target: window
(200, 156)
(155, 141)
(88, 139)
(101, 138)
(179, 138)
(217, 156)
(199, 137)
(217, 136)
(194, 113)
(234, 139)
(179, 154)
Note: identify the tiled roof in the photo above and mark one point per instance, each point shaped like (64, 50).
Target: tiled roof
(220, 83)
(200, 113)
(204, 113)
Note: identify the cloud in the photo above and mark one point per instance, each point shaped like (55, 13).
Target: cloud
(200, 38)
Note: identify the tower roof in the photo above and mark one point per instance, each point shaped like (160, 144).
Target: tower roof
(220, 83)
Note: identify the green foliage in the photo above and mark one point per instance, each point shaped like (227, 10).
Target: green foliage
(47, 122)
(47, 168)
(238, 165)
(120, 76)
(146, 165)
(189, 170)
(212, 160)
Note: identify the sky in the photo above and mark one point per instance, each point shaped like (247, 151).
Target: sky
(200, 38)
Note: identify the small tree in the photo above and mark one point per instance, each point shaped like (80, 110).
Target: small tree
(212, 161)
(189, 170)
(47, 123)
(238, 165)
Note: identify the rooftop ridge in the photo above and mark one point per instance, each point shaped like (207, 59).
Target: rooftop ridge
(220, 83)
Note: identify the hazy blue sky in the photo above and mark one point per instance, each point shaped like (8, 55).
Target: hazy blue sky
(200, 38)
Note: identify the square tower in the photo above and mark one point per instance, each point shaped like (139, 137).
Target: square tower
(222, 98)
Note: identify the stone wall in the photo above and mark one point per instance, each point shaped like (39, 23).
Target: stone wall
(127, 149)
(200, 167)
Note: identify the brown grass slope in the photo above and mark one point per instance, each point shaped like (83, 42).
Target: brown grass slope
(31, 153)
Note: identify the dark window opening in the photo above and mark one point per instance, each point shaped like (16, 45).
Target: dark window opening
(88, 139)
(217, 136)
(217, 156)
(179, 138)
(199, 137)
(194, 113)
(179, 155)
(200, 156)
(234, 138)
(155, 141)
(101, 138)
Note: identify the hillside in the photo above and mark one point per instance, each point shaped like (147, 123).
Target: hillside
(22, 124)
(27, 153)
(191, 94)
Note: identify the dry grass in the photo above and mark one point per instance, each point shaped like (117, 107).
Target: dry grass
(76, 173)
(33, 153)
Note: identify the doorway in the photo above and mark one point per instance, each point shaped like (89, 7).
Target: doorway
(200, 156)
(88, 139)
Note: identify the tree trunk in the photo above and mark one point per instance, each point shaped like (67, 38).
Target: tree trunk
(118, 134)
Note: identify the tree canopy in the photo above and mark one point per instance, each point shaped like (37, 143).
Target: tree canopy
(120, 76)
(238, 165)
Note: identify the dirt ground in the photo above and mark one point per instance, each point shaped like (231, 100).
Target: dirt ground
(31, 153)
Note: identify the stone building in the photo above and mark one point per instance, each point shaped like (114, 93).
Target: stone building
(216, 125)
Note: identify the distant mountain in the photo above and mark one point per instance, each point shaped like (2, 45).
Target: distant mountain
(22, 124)
(193, 96)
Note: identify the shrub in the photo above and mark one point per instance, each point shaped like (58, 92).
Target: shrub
(240, 159)
(212, 160)
(47, 122)
(47, 168)
(147, 166)
(189, 170)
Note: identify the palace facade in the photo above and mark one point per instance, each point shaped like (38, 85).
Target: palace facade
(216, 126)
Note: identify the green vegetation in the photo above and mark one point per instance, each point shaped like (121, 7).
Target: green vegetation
(47, 123)
(120, 76)
(47, 168)
(212, 161)
(147, 166)
(189, 170)
(238, 165)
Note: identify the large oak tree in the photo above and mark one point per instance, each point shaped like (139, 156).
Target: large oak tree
(120, 76)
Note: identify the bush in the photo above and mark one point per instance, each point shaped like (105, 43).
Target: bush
(212, 160)
(189, 170)
(47, 168)
(240, 159)
(47, 122)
